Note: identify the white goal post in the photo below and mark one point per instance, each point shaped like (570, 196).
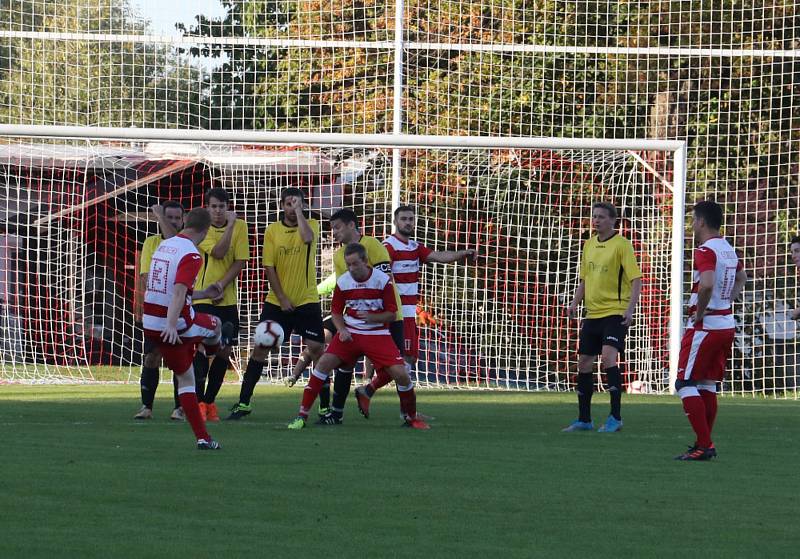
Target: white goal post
(472, 158)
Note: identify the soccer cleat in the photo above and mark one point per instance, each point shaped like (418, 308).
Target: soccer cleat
(239, 411)
(329, 419)
(579, 425)
(297, 423)
(210, 444)
(144, 413)
(226, 335)
(416, 423)
(177, 414)
(697, 453)
(362, 400)
(612, 425)
(203, 410)
(324, 411)
(211, 413)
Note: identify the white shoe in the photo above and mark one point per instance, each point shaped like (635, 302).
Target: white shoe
(144, 413)
(177, 415)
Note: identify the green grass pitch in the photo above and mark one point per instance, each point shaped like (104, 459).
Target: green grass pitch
(494, 477)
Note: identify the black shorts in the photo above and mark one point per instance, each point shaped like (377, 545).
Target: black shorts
(597, 332)
(226, 313)
(395, 329)
(305, 320)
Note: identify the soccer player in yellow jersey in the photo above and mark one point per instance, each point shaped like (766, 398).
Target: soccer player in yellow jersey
(609, 288)
(290, 256)
(170, 219)
(344, 226)
(225, 251)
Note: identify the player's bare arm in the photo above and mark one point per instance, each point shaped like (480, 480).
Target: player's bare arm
(705, 288)
(341, 327)
(636, 291)
(170, 332)
(231, 275)
(275, 286)
(138, 300)
(213, 291)
(572, 310)
(448, 256)
(167, 229)
(376, 317)
(738, 285)
(224, 244)
(306, 233)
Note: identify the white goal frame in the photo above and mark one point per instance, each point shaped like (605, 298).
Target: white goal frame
(676, 148)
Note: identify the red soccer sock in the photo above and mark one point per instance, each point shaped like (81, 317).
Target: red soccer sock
(311, 391)
(696, 412)
(710, 401)
(192, 412)
(408, 401)
(380, 380)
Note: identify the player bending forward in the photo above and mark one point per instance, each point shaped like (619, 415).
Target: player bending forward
(171, 323)
(717, 280)
(363, 305)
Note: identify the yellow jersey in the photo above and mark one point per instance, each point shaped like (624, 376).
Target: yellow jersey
(148, 249)
(294, 261)
(213, 269)
(377, 257)
(607, 269)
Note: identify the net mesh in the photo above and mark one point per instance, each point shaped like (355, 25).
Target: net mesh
(720, 75)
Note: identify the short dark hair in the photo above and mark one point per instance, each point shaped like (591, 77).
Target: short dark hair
(356, 248)
(710, 212)
(608, 207)
(795, 241)
(405, 208)
(345, 215)
(219, 193)
(292, 191)
(198, 219)
(173, 204)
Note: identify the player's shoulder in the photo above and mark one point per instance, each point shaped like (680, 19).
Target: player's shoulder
(152, 241)
(368, 241)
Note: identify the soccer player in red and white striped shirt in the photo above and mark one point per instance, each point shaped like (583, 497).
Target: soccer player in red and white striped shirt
(363, 305)
(407, 256)
(717, 280)
(169, 320)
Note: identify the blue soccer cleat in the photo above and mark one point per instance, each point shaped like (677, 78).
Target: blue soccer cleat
(579, 425)
(612, 425)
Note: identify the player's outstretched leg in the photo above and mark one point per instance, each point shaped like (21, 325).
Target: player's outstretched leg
(695, 409)
(188, 397)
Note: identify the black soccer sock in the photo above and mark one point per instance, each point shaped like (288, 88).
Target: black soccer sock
(200, 373)
(341, 389)
(175, 391)
(148, 383)
(585, 389)
(251, 377)
(614, 387)
(216, 376)
(325, 394)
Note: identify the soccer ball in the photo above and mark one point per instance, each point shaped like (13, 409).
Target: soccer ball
(268, 334)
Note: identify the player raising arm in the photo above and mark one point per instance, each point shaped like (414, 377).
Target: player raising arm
(171, 323)
(225, 252)
(717, 280)
(609, 288)
(363, 303)
(407, 257)
(290, 255)
(170, 219)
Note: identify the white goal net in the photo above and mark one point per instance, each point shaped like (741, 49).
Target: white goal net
(720, 76)
(82, 214)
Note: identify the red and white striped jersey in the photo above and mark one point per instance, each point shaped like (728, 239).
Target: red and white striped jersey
(375, 295)
(407, 258)
(715, 255)
(175, 261)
